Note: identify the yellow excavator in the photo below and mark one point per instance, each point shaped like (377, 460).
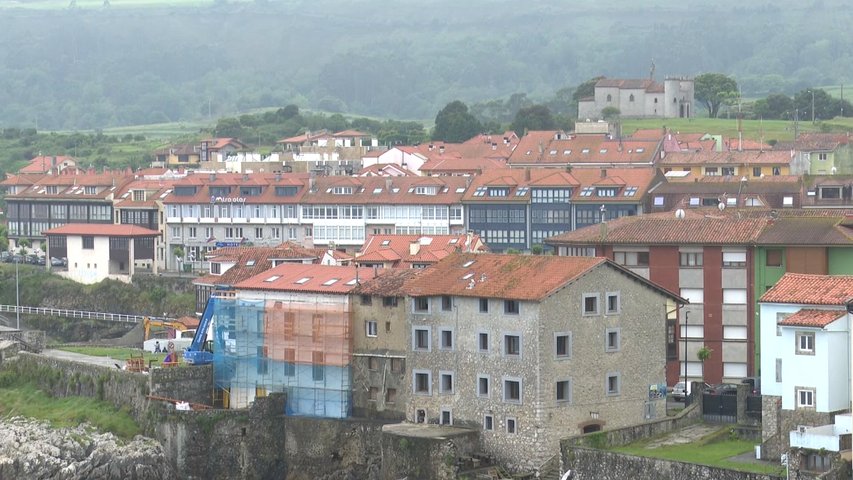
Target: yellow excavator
(147, 323)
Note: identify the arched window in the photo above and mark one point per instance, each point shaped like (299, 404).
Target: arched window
(631, 98)
(609, 97)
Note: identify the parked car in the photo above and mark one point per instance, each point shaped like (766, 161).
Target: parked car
(57, 262)
(680, 390)
(754, 384)
(723, 389)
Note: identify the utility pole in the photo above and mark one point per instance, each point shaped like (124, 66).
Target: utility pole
(17, 297)
(812, 92)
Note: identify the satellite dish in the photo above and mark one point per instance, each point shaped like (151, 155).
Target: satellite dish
(679, 214)
(721, 206)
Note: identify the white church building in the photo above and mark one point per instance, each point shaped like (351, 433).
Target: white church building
(640, 98)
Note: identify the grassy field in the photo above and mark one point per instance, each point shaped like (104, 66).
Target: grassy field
(779, 130)
(715, 450)
(116, 353)
(19, 398)
(161, 130)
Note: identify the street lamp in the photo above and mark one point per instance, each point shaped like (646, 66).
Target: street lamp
(17, 297)
(684, 336)
(812, 92)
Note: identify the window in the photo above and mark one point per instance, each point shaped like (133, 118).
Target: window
(446, 417)
(734, 369)
(89, 242)
(483, 386)
(420, 338)
(389, 301)
(734, 332)
(488, 422)
(483, 342)
(446, 337)
(446, 303)
(512, 390)
(366, 300)
(734, 259)
(318, 371)
(563, 345)
(510, 422)
(397, 365)
(564, 391)
(632, 259)
(484, 305)
(728, 171)
(774, 257)
(690, 259)
(445, 384)
(805, 398)
(422, 382)
(805, 343)
(391, 395)
(756, 171)
(422, 304)
(658, 201)
(372, 394)
(712, 171)
(372, 363)
(614, 384)
(511, 307)
(590, 304)
(693, 295)
(777, 171)
(613, 340)
(512, 345)
(734, 296)
(613, 304)
(370, 328)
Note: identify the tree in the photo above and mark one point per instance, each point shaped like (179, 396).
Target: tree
(775, 106)
(703, 354)
(455, 124)
(585, 89)
(713, 90)
(534, 117)
(610, 113)
(178, 252)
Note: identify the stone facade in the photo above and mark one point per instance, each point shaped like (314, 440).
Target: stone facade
(776, 424)
(600, 385)
(641, 98)
(421, 452)
(380, 387)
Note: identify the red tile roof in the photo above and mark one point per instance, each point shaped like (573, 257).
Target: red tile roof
(634, 84)
(746, 144)
(308, 278)
(444, 164)
(541, 149)
(251, 261)
(514, 277)
(812, 318)
(375, 190)
(350, 133)
(730, 157)
(44, 163)
(388, 282)
(267, 181)
(431, 248)
(809, 289)
(220, 143)
(102, 230)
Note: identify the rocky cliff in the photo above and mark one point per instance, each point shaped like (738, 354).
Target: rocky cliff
(31, 449)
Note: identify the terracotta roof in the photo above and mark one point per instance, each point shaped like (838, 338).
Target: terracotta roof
(388, 282)
(291, 277)
(431, 248)
(648, 134)
(374, 190)
(746, 144)
(454, 164)
(267, 182)
(189, 322)
(812, 318)
(44, 163)
(515, 277)
(350, 133)
(634, 84)
(102, 229)
(220, 143)
(640, 178)
(154, 190)
(806, 231)
(664, 228)
(806, 289)
(386, 170)
(813, 142)
(178, 149)
(731, 157)
(582, 149)
(305, 137)
(251, 261)
(729, 185)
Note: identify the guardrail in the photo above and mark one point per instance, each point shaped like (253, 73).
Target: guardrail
(62, 312)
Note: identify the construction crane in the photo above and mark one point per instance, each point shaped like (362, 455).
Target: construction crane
(196, 354)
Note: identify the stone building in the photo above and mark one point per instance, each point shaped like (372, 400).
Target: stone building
(643, 98)
(380, 387)
(531, 349)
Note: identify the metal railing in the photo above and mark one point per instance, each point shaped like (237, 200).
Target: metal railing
(62, 312)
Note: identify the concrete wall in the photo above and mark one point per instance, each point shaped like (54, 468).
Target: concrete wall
(194, 385)
(589, 464)
(88, 266)
(421, 452)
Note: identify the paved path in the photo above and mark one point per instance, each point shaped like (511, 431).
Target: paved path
(79, 357)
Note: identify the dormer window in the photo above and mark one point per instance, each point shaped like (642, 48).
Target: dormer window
(215, 268)
(139, 195)
(498, 192)
(342, 190)
(285, 191)
(184, 191)
(426, 190)
(606, 192)
(52, 189)
(91, 190)
(220, 191)
(250, 191)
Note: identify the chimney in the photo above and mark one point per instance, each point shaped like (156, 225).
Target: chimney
(311, 182)
(506, 140)
(212, 177)
(277, 176)
(494, 146)
(603, 173)
(469, 241)
(245, 177)
(431, 147)
(527, 174)
(53, 161)
(441, 149)
(414, 247)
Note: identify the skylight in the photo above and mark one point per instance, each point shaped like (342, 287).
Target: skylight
(552, 152)
(587, 191)
(460, 189)
(522, 191)
(250, 263)
(585, 150)
(330, 281)
(385, 243)
(630, 191)
(640, 150)
(453, 241)
(467, 276)
(302, 281)
(352, 282)
(377, 190)
(567, 152)
(468, 264)
(273, 278)
(603, 150)
(480, 192)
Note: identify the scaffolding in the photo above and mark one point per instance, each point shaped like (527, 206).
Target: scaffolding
(301, 348)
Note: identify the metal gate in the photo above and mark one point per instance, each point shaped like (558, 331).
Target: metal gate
(719, 408)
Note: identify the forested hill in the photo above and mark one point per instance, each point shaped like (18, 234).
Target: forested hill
(159, 61)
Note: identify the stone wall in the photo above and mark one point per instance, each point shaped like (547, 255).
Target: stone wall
(424, 452)
(626, 435)
(777, 425)
(191, 384)
(316, 448)
(590, 464)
